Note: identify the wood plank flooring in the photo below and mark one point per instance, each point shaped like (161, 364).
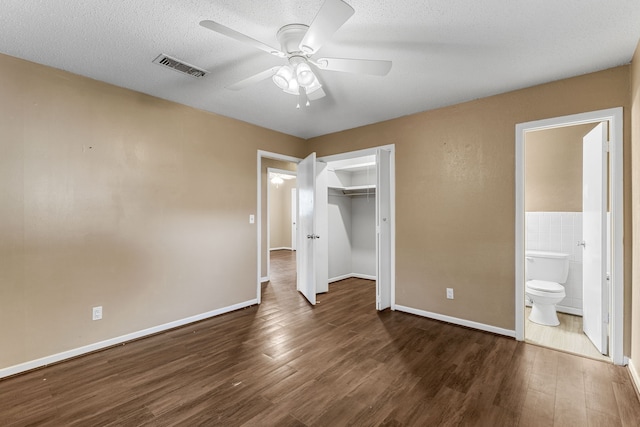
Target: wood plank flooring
(341, 363)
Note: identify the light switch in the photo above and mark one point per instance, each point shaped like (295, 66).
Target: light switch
(252, 219)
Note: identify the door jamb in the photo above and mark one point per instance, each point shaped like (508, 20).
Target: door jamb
(616, 193)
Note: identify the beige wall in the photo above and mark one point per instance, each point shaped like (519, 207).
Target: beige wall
(455, 204)
(553, 169)
(635, 155)
(114, 198)
(280, 214)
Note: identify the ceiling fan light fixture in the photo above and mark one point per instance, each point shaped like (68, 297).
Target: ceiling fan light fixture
(314, 86)
(282, 78)
(304, 74)
(293, 88)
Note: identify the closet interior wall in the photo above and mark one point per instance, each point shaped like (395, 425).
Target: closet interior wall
(351, 217)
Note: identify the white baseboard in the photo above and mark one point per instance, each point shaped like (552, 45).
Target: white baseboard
(59, 357)
(338, 278)
(363, 276)
(563, 309)
(352, 275)
(281, 249)
(569, 310)
(635, 376)
(264, 279)
(457, 321)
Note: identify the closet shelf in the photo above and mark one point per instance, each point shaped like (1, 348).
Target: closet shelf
(356, 190)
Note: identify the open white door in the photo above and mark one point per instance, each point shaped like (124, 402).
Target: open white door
(383, 230)
(312, 251)
(306, 282)
(595, 310)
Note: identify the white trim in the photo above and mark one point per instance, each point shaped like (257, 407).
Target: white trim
(363, 276)
(338, 278)
(616, 191)
(281, 249)
(264, 279)
(392, 185)
(457, 321)
(635, 376)
(352, 276)
(268, 155)
(563, 309)
(59, 357)
(569, 310)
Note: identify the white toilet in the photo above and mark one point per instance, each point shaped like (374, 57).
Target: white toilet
(545, 272)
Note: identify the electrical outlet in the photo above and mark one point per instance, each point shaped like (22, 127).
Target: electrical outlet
(449, 293)
(252, 219)
(97, 313)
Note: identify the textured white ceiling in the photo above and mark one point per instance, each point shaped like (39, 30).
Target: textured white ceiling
(443, 51)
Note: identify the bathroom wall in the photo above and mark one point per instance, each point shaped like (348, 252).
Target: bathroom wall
(560, 232)
(553, 169)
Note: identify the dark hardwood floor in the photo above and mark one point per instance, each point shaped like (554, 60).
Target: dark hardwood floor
(341, 363)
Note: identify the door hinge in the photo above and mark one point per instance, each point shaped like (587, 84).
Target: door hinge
(607, 146)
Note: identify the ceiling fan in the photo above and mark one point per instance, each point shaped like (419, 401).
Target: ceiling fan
(298, 44)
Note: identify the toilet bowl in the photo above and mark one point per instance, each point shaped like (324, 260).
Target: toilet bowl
(544, 296)
(545, 272)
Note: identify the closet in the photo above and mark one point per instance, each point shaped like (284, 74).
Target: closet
(352, 218)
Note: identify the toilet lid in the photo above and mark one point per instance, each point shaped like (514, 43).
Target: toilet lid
(542, 285)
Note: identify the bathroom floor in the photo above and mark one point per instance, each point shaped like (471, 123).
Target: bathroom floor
(568, 336)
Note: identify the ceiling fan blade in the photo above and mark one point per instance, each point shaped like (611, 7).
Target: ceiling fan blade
(362, 66)
(219, 28)
(331, 16)
(316, 94)
(253, 79)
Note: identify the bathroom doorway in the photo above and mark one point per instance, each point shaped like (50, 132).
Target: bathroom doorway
(550, 217)
(556, 190)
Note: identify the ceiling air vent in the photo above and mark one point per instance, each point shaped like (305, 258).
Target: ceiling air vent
(180, 66)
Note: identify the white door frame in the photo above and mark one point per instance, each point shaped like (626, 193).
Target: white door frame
(614, 116)
(368, 152)
(268, 155)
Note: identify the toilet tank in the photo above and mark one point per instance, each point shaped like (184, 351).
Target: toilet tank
(548, 266)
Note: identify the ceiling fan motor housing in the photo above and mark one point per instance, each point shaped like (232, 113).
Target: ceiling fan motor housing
(290, 36)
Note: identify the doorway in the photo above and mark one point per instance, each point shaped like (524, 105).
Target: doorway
(610, 302)
(561, 165)
(384, 249)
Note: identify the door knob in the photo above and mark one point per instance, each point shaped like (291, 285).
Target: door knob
(312, 236)
(582, 243)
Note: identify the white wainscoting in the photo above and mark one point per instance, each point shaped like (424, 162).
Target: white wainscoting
(560, 232)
